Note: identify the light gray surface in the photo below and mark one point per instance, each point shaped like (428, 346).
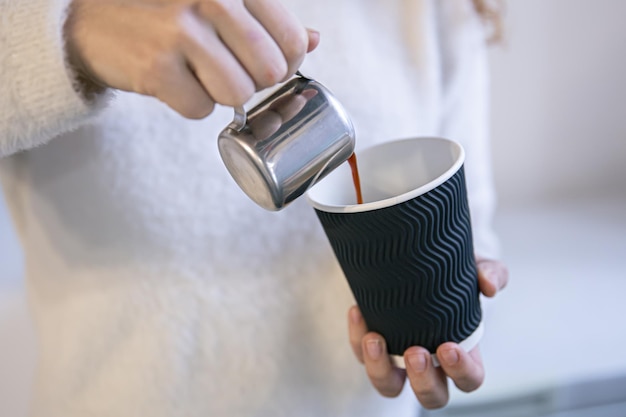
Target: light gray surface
(602, 397)
(561, 318)
(554, 338)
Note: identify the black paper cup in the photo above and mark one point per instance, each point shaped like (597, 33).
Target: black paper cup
(407, 251)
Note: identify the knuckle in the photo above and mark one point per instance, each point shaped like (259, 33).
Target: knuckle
(215, 8)
(272, 74)
(183, 18)
(237, 95)
(157, 72)
(295, 46)
(197, 107)
(178, 21)
(244, 93)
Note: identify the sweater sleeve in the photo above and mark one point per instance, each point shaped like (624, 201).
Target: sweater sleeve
(39, 95)
(465, 115)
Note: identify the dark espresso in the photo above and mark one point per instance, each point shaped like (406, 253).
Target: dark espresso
(355, 178)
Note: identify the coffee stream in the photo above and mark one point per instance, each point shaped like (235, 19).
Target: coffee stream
(355, 178)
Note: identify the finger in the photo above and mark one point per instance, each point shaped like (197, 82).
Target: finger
(179, 89)
(214, 65)
(493, 276)
(291, 37)
(429, 383)
(385, 377)
(357, 329)
(465, 369)
(248, 40)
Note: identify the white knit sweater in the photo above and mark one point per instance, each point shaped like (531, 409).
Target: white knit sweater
(157, 287)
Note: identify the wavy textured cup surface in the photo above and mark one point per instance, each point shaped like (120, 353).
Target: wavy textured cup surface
(407, 252)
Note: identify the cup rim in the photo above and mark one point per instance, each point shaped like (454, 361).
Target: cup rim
(401, 198)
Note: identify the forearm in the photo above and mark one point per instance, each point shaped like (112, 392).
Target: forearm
(39, 95)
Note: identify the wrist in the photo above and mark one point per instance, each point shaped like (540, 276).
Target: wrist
(83, 81)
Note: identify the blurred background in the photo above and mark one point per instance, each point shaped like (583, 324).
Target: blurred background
(555, 339)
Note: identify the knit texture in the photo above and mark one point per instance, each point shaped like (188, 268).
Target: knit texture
(34, 74)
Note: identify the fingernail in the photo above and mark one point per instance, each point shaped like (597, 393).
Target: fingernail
(374, 348)
(450, 356)
(417, 362)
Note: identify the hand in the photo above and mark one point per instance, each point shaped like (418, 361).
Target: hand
(189, 54)
(429, 383)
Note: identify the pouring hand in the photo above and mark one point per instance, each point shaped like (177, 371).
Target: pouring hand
(429, 383)
(189, 54)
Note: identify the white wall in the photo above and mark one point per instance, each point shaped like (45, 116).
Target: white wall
(559, 99)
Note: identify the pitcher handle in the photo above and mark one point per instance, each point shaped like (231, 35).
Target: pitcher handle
(240, 119)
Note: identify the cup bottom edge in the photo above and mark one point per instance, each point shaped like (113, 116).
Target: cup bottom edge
(468, 344)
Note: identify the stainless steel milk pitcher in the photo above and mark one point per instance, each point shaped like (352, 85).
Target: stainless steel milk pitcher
(286, 143)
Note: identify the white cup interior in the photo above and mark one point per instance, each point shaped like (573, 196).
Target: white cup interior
(391, 173)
